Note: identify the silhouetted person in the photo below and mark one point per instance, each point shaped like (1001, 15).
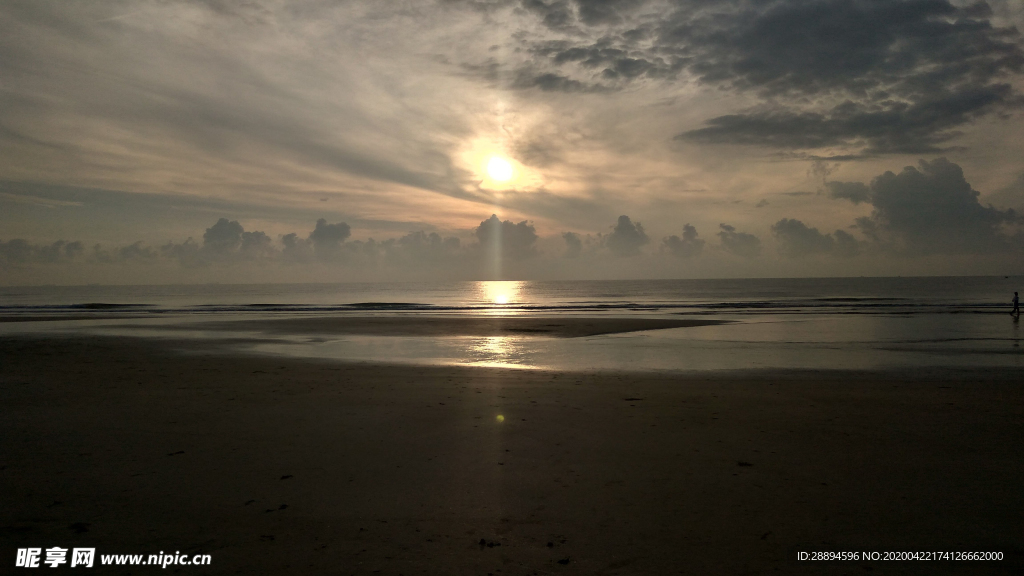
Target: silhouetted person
(1016, 305)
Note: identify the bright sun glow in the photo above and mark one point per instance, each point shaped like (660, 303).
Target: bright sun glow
(499, 169)
(491, 168)
(502, 293)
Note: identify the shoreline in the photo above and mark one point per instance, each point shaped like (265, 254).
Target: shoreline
(228, 348)
(405, 469)
(451, 325)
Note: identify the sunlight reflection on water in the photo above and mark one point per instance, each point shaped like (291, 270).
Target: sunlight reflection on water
(519, 352)
(811, 343)
(766, 341)
(500, 296)
(499, 351)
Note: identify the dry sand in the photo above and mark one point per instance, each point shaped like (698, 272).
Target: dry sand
(282, 466)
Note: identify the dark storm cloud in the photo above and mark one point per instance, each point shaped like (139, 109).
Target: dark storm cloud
(256, 245)
(296, 249)
(327, 238)
(550, 82)
(598, 70)
(687, 246)
(626, 238)
(598, 12)
(882, 76)
(420, 249)
(813, 47)
(855, 192)
(795, 240)
(932, 208)
(738, 243)
(136, 251)
(846, 245)
(513, 241)
(607, 63)
(60, 250)
(228, 243)
(224, 236)
(910, 72)
(18, 251)
(573, 244)
(561, 52)
(225, 242)
(554, 13)
(559, 14)
(331, 244)
(891, 127)
(188, 253)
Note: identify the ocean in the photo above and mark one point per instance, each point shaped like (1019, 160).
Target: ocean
(808, 323)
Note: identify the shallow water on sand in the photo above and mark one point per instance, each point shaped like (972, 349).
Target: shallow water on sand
(840, 323)
(817, 342)
(769, 341)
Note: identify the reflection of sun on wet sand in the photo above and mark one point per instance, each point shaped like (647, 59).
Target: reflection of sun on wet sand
(558, 327)
(285, 466)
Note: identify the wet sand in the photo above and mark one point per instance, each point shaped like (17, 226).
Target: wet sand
(453, 325)
(286, 466)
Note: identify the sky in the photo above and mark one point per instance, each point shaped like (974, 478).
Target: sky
(167, 141)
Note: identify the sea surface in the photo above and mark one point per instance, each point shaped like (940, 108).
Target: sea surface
(816, 323)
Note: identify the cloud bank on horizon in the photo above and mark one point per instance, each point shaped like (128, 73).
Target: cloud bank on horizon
(190, 140)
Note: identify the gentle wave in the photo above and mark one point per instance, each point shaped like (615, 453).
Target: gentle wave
(812, 306)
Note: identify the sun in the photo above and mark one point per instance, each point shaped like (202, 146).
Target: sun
(499, 169)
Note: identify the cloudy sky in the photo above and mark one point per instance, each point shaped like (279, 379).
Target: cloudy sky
(252, 140)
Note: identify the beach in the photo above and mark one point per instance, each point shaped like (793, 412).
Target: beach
(296, 466)
(512, 287)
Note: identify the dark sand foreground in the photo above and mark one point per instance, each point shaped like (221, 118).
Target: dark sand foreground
(278, 466)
